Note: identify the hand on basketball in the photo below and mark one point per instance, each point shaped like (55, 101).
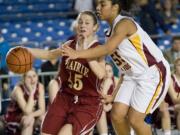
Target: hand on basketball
(106, 98)
(68, 51)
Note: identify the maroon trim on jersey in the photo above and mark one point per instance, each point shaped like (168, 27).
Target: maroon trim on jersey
(150, 59)
(175, 83)
(162, 68)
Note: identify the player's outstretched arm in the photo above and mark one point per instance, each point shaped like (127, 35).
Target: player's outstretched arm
(120, 33)
(47, 54)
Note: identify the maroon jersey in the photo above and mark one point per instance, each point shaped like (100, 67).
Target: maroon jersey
(77, 78)
(112, 87)
(176, 88)
(14, 113)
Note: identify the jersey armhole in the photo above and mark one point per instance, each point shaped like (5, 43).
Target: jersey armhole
(131, 36)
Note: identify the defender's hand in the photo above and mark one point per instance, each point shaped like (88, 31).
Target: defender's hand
(68, 51)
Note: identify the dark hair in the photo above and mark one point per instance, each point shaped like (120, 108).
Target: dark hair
(123, 4)
(92, 14)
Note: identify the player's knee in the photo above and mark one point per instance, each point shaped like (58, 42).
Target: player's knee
(117, 115)
(28, 121)
(136, 121)
(133, 121)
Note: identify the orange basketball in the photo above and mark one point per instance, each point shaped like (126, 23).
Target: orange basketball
(19, 60)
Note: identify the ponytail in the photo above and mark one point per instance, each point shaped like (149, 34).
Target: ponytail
(123, 4)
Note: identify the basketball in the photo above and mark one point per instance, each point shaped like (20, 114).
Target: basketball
(19, 60)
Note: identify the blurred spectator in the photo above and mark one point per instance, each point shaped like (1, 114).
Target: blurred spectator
(108, 85)
(49, 66)
(150, 18)
(82, 5)
(168, 12)
(4, 85)
(27, 106)
(174, 52)
(172, 100)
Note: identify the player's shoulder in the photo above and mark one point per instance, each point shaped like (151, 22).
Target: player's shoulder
(128, 25)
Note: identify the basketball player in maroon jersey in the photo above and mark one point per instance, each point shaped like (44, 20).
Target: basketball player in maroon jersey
(77, 106)
(172, 100)
(108, 85)
(26, 107)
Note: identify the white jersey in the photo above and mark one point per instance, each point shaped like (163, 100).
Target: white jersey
(136, 53)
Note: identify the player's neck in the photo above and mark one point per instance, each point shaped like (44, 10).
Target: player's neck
(111, 19)
(84, 44)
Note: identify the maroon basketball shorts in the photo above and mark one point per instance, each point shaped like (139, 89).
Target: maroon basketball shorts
(82, 112)
(12, 121)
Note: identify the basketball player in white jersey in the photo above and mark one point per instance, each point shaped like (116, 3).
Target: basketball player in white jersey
(146, 73)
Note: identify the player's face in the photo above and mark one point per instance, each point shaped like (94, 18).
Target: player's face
(31, 78)
(103, 9)
(109, 71)
(86, 26)
(176, 45)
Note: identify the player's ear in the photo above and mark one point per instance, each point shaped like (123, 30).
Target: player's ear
(115, 7)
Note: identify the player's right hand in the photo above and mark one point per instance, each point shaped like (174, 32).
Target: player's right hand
(68, 51)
